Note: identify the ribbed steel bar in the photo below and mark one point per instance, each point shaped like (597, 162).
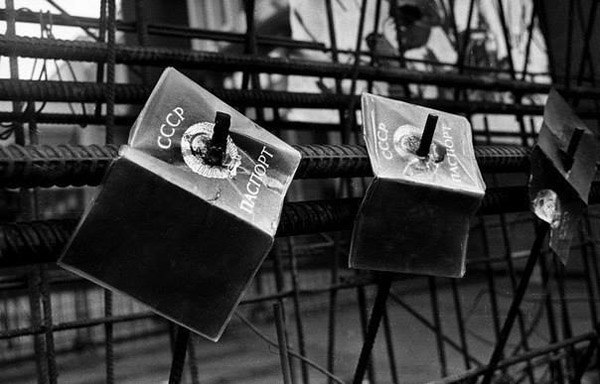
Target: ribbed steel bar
(94, 52)
(70, 91)
(35, 242)
(77, 165)
(161, 29)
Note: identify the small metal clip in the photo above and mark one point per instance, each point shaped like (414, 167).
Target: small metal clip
(215, 151)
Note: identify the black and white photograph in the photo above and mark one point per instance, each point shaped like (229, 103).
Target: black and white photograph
(299, 191)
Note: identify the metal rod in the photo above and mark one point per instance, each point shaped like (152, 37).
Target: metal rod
(63, 165)
(513, 311)
(389, 343)
(556, 367)
(282, 342)
(86, 51)
(182, 339)
(383, 291)
(437, 324)
(33, 285)
(460, 321)
(47, 321)
(110, 71)
(297, 310)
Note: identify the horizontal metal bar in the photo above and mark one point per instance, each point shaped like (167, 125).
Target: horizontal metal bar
(76, 92)
(182, 58)
(161, 29)
(69, 325)
(158, 29)
(77, 165)
(36, 242)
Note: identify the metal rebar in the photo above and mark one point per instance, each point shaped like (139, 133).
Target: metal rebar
(182, 339)
(282, 342)
(556, 367)
(389, 343)
(297, 311)
(383, 291)
(437, 324)
(77, 165)
(460, 321)
(96, 52)
(35, 242)
(33, 285)
(47, 321)
(514, 309)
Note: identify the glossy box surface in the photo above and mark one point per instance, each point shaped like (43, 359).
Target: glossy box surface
(180, 235)
(416, 213)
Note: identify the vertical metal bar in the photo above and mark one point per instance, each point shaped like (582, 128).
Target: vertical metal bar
(110, 23)
(540, 6)
(555, 367)
(108, 338)
(141, 26)
(401, 60)
(181, 344)
(454, 25)
(437, 323)
(588, 278)
(331, 324)
(350, 116)
(110, 72)
(251, 47)
(571, 20)
(281, 340)
(13, 62)
(596, 267)
(192, 361)
(297, 311)
(383, 292)
(565, 316)
(36, 323)
(461, 323)
(376, 19)
(529, 39)
(362, 312)
(491, 284)
(513, 74)
(387, 329)
(586, 56)
(100, 64)
(280, 286)
(465, 41)
(47, 312)
(513, 311)
(513, 282)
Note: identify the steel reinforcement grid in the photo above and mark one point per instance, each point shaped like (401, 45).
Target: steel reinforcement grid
(518, 315)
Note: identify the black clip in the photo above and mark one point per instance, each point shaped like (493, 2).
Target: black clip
(569, 157)
(215, 151)
(427, 136)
